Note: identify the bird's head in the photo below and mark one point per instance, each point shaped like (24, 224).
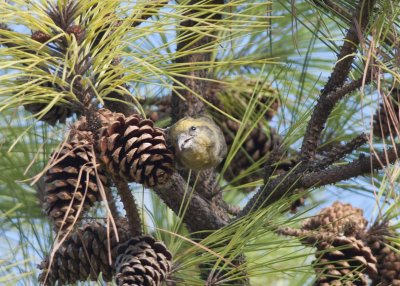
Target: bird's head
(197, 142)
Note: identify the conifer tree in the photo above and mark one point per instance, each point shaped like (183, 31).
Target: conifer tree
(305, 93)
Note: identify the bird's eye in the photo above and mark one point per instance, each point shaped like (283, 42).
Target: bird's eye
(193, 128)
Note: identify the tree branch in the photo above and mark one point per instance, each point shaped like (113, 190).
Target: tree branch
(200, 214)
(338, 152)
(286, 184)
(338, 76)
(128, 200)
(196, 48)
(361, 166)
(195, 45)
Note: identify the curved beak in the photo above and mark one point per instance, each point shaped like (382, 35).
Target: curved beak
(182, 141)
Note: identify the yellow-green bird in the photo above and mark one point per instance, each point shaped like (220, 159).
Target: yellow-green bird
(198, 143)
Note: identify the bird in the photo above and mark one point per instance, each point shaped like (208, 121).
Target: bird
(198, 143)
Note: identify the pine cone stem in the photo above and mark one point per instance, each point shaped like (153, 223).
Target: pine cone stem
(306, 237)
(128, 200)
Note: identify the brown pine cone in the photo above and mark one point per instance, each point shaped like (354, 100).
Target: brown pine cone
(256, 146)
(71, 182)
(387, 254)
(84, 255)
(344, 261)
(58, 113)
(142, 261)
(40, 36)
(386, 118)
(136, 150)
(339, 218)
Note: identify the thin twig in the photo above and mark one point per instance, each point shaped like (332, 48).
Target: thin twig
(285, 185)
(338, 76)
(338, 152)
(359, 167)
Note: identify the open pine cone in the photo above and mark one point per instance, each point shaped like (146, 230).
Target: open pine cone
(342, 256)
(388, 265)
(142, 261)
(387, 253)
(256, 146)
(344, 261)
(338, 218)
(71, 181)
(85, 254)
(134, 149)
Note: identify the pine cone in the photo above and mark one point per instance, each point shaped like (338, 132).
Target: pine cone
(388, 258)
(339, 218)
(256, 146)
(136, 150)
(142, 261)
(40, 36)
(84, 255)
(77, 31)
(386, 118)
(58, 113)
(344, 261)
(71, 183)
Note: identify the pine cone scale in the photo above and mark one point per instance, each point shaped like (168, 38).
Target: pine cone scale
(71, 183)
(141, 261)
(135, 150)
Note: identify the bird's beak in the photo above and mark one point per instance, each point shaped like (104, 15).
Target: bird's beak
(182, 141)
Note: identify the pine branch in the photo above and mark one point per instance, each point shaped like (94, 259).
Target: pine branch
(193, 40)
(326, 102)
(338, 152)
(359, 167)
(284, 185)
(117, 102)
(196, 48)
(128, 200)
(123, 103)
(200, 214)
